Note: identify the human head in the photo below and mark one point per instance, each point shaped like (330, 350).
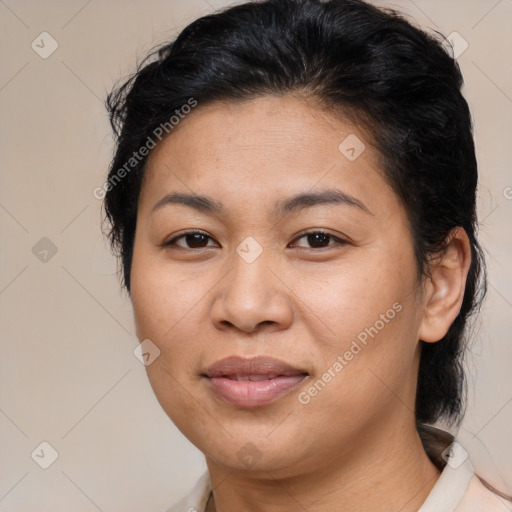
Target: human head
(368, 65)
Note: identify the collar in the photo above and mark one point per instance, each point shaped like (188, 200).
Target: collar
(453, 483)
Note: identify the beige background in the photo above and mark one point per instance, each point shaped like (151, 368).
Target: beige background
(68, 373)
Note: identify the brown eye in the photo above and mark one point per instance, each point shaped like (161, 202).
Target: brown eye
(319, 240)
(192, 240)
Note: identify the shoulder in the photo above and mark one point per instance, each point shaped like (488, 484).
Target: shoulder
(196, 499)
(458, 489)
(479, 498)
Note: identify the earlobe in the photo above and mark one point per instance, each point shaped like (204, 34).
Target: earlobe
(444, 289)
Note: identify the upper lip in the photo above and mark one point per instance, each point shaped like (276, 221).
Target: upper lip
(236, 366)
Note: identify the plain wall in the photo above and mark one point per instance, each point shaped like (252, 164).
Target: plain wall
(68, 373)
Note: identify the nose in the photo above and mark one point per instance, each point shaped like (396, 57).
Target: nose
(253, 296)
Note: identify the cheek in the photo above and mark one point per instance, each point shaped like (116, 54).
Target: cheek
(348, 299)
(368, 374)
(164, 298)
(369, 314)
(163, 303)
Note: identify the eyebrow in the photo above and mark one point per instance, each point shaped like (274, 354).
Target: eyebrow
(282, 208)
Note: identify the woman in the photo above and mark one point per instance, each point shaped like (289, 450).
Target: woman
(292, 199)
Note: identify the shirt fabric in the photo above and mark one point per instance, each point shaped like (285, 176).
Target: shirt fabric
(458, 489)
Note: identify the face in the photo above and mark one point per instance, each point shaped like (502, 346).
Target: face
(313, 299)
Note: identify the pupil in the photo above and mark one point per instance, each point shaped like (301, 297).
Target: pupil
(318, 239)
(195, 239)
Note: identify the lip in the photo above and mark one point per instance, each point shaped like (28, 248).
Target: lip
(253, 382)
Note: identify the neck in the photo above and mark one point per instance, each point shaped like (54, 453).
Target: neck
(391, 472)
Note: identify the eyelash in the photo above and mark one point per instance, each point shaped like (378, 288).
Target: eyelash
(338, 240)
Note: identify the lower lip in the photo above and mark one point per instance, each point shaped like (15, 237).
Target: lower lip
(249, 393)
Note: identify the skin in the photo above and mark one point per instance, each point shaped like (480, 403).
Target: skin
(354, 446)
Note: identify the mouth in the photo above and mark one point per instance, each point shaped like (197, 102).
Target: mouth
(251, 383)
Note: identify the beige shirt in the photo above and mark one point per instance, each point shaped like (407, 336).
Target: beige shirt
(458, 489)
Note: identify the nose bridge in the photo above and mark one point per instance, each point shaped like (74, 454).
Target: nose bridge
(251, 294)
(250, 280)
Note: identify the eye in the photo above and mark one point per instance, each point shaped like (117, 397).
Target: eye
(192, 240)
(320, 240)
(199, 240)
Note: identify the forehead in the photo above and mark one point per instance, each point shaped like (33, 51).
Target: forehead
(247, 152)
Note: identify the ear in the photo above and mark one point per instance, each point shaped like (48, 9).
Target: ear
(443, 291)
